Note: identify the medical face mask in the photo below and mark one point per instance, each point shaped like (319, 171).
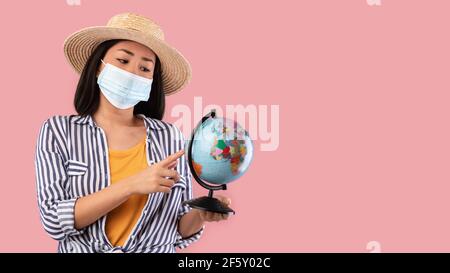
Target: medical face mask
(123, 89)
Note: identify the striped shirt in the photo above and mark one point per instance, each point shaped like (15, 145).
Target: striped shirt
(71, 161)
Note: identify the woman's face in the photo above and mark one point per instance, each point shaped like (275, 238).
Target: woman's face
(132, 57)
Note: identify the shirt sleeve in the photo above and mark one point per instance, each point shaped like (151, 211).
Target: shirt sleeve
(185, 174)
(56, 208)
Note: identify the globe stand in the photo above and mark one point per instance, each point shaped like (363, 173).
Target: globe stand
(207, 203)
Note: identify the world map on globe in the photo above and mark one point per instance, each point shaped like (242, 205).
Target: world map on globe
(221, 150)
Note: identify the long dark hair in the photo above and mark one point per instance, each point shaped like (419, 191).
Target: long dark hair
(87, 96)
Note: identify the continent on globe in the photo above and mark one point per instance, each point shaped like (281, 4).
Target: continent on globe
(221, 151)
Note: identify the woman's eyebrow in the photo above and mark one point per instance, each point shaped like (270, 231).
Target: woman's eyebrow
(132, 54)
(147, 59)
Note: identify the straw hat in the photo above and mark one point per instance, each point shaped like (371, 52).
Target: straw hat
(176, 71)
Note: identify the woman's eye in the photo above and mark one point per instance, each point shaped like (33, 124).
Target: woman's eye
(145, 69)
(123, 61)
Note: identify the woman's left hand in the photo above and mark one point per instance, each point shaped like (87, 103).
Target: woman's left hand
(209, 216)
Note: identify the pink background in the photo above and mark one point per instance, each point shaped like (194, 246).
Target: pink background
(363, 91)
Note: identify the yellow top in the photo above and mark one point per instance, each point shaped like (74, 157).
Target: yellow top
(121, 221)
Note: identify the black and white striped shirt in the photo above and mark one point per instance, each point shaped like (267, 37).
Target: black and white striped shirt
(71, 161)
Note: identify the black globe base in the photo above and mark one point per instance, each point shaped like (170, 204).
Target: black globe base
(209, 204)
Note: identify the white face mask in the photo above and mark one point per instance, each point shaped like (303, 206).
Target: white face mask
(122, 88)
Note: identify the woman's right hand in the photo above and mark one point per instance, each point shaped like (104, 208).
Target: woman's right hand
(158, 177)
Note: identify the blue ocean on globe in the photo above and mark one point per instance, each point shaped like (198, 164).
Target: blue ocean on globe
(221, 151)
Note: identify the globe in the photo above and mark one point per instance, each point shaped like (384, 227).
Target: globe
(221, 150)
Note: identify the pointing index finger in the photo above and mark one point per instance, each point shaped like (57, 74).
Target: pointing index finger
(171, 158)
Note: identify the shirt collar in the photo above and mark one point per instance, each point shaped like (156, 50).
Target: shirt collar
(88, 120)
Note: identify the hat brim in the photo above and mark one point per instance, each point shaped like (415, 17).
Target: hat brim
(176, 70)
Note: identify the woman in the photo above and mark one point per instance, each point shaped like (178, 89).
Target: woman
(113, 177)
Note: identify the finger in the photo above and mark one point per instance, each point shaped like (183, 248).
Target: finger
(217, 217)
(202, 214)
(224, 216)
(169, 173)
(213, 216)
(208, 216)
(164, 189)
(166, 182)
(225, 200)
(173, 157)
(172, 165)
